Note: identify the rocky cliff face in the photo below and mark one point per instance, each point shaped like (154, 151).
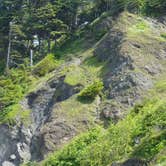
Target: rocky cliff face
(133, 57)
(25, 143)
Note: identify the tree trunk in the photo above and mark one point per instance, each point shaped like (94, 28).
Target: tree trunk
(9, 50)
(39, 43)
(31, 57)
(76, 20)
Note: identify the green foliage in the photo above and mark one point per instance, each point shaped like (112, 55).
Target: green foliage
(12, 89)
(148, 7)
(35, 26)
(91, 91)
(13, 86)
(45, 66)
(151, 146)
(71, 154)
(145, 123)
(13, 114)
(163, 35)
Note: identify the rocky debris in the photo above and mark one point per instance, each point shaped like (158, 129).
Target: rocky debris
(8, 145)
(23, 150)
(110, 111)
(126, 89)
(13, 157)
(153, 69)
(114, 114)
(55, 134)
(7, 163)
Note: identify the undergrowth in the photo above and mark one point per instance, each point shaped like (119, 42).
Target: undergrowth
(145, 123)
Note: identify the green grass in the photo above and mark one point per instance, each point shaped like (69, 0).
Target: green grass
(74, 112)
(47, 65)
(73, 47)
(139, 28)
(75, 75)
(86, 73)
(161, 86)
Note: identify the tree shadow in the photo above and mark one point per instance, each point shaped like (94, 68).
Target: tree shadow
(84, 100)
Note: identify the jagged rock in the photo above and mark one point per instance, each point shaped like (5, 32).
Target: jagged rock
(13, 157)
(7, 163)
(8, 143)
(26, 143)
(111, 110)
(130, 73)
(55, 134)
(23, 151)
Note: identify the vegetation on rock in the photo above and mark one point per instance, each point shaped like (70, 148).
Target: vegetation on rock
(82, 83)
(91, 91)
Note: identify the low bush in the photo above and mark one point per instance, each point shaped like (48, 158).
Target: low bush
(91, 91)
(12, 88)
(47, 65)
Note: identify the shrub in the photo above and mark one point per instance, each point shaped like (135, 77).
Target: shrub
(47, 65)
(163, 35)
(12, 88)
(91, 91)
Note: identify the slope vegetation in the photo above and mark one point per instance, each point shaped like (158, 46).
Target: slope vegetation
(119, 60)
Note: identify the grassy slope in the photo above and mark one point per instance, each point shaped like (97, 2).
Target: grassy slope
(145, 124)
(145, 121)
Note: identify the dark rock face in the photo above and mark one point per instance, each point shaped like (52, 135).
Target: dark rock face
(109, 46)
(41, 104)
(24, 143)
(127, 78)
(8, 145)
(134, 162)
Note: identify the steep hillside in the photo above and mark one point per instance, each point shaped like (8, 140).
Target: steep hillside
(109, 82)
(133, 64)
